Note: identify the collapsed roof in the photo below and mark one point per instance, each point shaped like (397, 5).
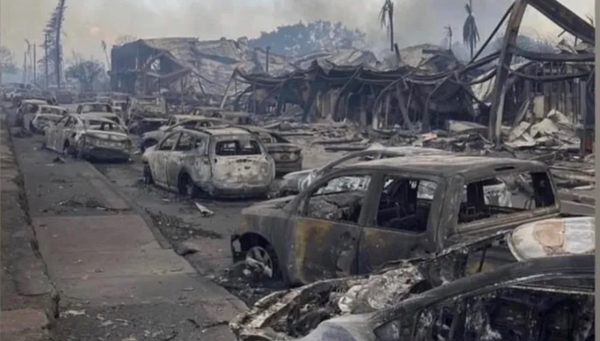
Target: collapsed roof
(149, 65)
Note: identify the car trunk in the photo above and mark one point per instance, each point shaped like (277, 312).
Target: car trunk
(240, 169)
(283, 152)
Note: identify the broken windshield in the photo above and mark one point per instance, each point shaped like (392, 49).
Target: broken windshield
(237, 147)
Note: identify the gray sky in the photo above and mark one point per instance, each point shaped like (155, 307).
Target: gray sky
(90, 21)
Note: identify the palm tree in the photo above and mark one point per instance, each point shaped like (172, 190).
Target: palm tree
(386, 19)
(470, 32)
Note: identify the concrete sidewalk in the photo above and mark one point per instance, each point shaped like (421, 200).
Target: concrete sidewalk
(29, 300)
(116, 280)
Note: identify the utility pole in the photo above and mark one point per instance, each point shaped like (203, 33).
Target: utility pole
(34, 65)
(25, 67)
(58, 48)
(267, 64)
(46, 59)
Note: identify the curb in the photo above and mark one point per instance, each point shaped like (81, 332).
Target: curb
(160, 238)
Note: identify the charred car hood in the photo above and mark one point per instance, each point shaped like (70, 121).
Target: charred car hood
(346, 298)
(277, 203)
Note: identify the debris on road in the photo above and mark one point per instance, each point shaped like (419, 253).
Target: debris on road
(203, 210)
(178, 230)
(80, 201)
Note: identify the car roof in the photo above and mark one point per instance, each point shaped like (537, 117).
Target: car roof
(53, 107)
(93, 103)
(94, 115)
(218, 131)
(198, 118)
(34, 101)
(468, 166)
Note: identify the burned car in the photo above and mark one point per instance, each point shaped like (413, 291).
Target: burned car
(94, 107)
(43, 115)
(329, 231)
(218, 161)
(89, 135)
(297, 181)
(141, 125)
(151, 138)
(28, 107)
(288, 156)
(543, 291)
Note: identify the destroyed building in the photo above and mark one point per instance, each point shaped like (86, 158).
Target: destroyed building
(427, 85)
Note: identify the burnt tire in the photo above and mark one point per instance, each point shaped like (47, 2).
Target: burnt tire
(187, 186)
(147, 175)
(268, 257)
(68, 150)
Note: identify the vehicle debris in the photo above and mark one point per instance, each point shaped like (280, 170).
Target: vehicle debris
(419, 294)
(203, 210)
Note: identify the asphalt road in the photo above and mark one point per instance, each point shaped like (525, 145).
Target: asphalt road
(119, 279)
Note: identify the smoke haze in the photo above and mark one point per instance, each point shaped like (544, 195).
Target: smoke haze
(88, 22)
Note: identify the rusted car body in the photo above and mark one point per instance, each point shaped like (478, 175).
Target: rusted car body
(89, 135)
(328, 231)
(295, 182)
(547, 296)
(288, 156)
(218, 161)
(151, 138)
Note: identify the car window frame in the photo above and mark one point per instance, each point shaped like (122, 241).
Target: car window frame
(158, 147)
(476, 225)
(299, 205)
(193, 141)
(437, 201)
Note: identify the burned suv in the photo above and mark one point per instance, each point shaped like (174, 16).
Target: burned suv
(354, 219)
(218, 161)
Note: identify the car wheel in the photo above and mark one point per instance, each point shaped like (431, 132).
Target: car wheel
(78, 152)
(262, 262)
(68, 150)
(147, 174)
(187, 186)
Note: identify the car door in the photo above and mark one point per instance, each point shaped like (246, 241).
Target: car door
(181, 157)
(158, 162)
(327, 225)
(57, 134)
(68, 131)
(404, 221)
